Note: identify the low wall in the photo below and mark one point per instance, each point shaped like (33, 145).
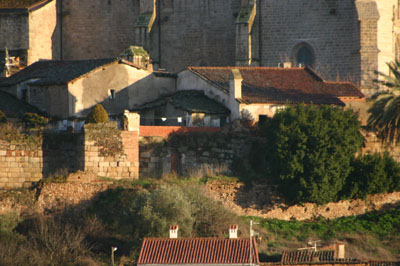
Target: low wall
(192, 153)
(102, 149)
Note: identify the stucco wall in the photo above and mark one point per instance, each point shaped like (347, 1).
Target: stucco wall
(95, 87)
(51, 99)
(43, 35)
(149, 89)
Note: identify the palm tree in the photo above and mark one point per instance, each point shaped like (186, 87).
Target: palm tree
(385, 112)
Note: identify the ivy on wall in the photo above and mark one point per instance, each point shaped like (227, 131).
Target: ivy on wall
(107, 137)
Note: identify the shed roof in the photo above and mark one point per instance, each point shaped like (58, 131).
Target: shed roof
(302, 256)
(56, 72)
(280, 85)
(196, 251)
(193, 101)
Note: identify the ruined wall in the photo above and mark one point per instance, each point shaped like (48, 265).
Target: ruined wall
(43, 33)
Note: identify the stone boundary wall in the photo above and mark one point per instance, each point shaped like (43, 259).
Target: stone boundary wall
(20, 165)
(192, 153)
(374, 145)
(95, 151)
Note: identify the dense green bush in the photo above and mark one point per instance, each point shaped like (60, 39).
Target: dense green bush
(372, 173)
(3, 117)
(34, 120)
(97, 115)
(310, 149)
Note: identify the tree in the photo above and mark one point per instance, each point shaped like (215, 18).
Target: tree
(309, 151)
(385, 112)
(97, 115)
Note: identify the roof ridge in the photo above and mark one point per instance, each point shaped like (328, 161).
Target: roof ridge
(245, 67)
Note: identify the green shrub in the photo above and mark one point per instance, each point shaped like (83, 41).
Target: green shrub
(3, 117)
(97, 115)
(310, 149)
(372, 174)
(34, 120)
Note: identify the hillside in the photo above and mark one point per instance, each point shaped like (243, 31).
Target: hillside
(101, 214)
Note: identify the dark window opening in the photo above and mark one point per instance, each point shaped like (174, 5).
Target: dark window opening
(262, 120)
(24, 95)
(304, 57)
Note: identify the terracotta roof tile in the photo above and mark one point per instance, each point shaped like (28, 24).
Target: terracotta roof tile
(301, 256)
(196, 251)
(280, 85)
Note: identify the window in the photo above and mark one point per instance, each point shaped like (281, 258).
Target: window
(262, 120)
(24, 95)
(303, 55)
(111, 93)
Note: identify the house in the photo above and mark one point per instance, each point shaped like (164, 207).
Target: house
(184, 108)
(260, 91)
(70, 88)
(14, 108)
(198, 251)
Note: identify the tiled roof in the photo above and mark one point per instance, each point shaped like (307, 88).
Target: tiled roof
(384, 263)
(189, 100)
(8, 4)
(280, 85)
(196, 251)
(55, 72)
(301, 256)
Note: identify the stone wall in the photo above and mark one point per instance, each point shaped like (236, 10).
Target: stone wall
(102, 150)
(192, 153)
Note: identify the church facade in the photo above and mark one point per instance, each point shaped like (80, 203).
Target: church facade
(343, 40)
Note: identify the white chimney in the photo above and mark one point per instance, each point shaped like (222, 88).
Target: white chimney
(233, 228)
(173, 231)
(340, 251)
(235, 84)
(287, 64)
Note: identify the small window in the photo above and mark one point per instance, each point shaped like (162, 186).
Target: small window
(262, 120)
(112, 94)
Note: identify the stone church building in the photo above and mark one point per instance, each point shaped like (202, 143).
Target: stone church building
(341, 39)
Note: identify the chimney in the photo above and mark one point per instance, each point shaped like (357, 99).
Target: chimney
(173, 231)
(235, 84)
(339, 250)
(233, 231)
(287, 64)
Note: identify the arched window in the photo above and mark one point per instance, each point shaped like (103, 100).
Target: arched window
(303, 55)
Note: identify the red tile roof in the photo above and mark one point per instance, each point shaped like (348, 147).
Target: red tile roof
(302, 256)
(280, 85)
(196, 251)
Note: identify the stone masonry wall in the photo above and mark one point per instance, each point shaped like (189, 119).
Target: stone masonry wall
(102, 151)
(20, 165)
(193, 153)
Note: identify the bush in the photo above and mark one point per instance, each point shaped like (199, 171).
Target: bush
(372, 174)
(310, 149)
(97, 115)
(3, 117)
(34, 120)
